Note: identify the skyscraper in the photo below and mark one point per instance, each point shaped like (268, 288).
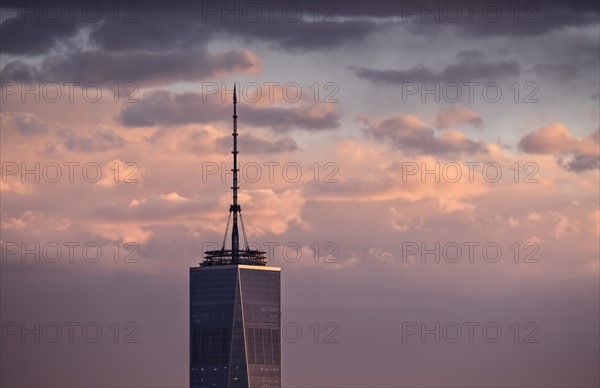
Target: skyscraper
(235, 310)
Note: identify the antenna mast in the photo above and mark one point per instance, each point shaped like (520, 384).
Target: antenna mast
(235, 208)
(235, 256)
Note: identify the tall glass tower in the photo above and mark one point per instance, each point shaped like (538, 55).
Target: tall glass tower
(235, 310)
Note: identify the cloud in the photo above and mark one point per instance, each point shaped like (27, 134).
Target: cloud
(533, 216)
(141, 67)
(19, 71)
(480, 21)
(158, 208)
(188, 23)
(313, 118)
(551, 139)
(582, 163)
(177, 27)
(34, 222)
(564, 225)
(540, 17)
(269, 211)
(29, 124)
(373, 172)
(471, 66)
(573, 153)
(401, 223)
(408, 132)
(25, 123)
(513, 222)
(185, 25)
(95, 140)
(305, 35)
(252, 144)
(30, 37)
(166, 108)
(563, 72)
(457, 117)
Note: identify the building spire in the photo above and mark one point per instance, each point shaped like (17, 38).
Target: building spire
(235, 208)
(234, 255)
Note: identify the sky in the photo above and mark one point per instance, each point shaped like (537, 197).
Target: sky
(426, 174)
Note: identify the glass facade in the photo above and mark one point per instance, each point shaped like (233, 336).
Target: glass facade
(235, 326)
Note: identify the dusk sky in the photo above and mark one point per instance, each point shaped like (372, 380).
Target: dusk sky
(426, 174)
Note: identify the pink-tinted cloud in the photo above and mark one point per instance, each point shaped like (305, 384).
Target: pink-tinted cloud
(575, 153)
(458, 117)
(408, 132)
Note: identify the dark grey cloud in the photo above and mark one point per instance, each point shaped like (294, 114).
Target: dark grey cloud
(285, 120)
(168, 43)
(144, 68)
(471, 66)
(198, 142)
(304, 35)
(477, 20)
(31, 37)
(156, 30)
(180, 26)
(29, 124)
(95, 140)
(581, 163)
(19, 71)
(167, 109)
(255, 145)
(32, 28)
(188, 23)
(409, 133)
(563, 72)
(163, 44)
(535, 18)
